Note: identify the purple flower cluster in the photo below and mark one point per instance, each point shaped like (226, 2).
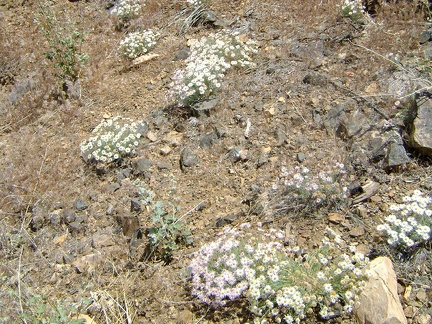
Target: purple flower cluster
(279, 282)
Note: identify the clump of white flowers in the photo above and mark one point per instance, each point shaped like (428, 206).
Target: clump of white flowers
(300, 189)
(352, 9)
(281, 284)
(410, 223)
(197, 3)
(138, 43)
(127, 9)
(113, 139)
(207, 64)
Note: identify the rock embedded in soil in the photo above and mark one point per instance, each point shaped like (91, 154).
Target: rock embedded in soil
(141, 165)
(421, 134)
(81, 204)
(379, 301)
(188, 159)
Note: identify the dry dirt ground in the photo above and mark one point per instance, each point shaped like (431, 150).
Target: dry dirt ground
(67, 232)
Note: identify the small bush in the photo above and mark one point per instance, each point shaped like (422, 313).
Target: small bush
(410, 223)
(301, 190)
(64, 41)
(210, 59)
(127, 9)
(113, 139)
(353, 9)
(167, 233)
(138, 43)
(279, 283)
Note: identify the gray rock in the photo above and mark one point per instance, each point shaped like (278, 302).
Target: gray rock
(315, 79)
(141, 165)
(237, 154)
(202, 109)
(421, 134)
(55, 217)
(396, 154)
(188, 159)
(351, 125)
(182, 54)
(68, 216)
(425, 36)
(135, 205)
(208, 140)
(301, 157)
(38, 217)
(81, 204)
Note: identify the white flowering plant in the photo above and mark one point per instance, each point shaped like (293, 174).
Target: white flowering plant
(207, 65)
(280, 284)
(112, 140)
(410, 223)
(198, 3)
(127, 9)
(138, 43)
(353, 9)
(301, 190)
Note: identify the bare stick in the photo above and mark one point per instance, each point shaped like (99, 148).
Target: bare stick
(190, 211)
(19, 284)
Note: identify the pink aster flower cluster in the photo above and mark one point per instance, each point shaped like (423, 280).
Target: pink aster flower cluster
(280, 284)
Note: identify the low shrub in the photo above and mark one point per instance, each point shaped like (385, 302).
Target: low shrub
(113, 139)
(280, 284)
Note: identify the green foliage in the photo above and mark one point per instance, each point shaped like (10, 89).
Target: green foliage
(64, 39)
(168, 232)
(145, 195)
(38, 309)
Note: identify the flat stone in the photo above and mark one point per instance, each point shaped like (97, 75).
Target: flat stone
(88, 263)
(165, 150)
(301, 157)
(81, 204)
(357, 231)
(100, 240)
(336, 218)
(141, 165)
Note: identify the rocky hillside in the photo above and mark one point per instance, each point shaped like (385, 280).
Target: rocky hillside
(215, 161)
